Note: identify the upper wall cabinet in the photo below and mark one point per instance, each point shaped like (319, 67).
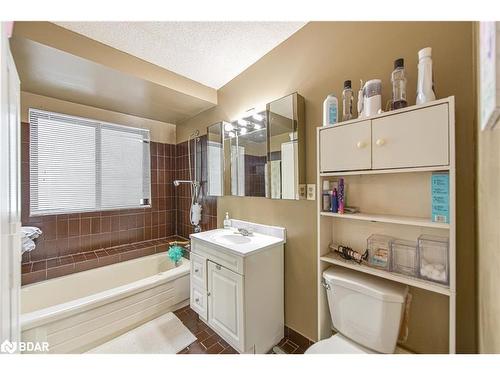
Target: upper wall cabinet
(261, 154)
(409, 138)
(413, 139)
(353, 140)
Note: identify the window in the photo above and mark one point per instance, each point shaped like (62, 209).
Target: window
(82, 165)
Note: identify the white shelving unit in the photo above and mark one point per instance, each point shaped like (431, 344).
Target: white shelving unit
(383, 152)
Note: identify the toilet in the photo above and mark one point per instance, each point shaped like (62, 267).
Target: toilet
(366, 311)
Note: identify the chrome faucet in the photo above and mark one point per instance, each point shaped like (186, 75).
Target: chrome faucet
(244, 232)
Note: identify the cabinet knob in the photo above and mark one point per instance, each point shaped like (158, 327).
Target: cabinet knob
(208, 294)
(218, 267)
(361, 144)
(197, 300)
(196, 270)
(380, 142)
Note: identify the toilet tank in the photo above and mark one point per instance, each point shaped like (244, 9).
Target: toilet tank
(365, 308)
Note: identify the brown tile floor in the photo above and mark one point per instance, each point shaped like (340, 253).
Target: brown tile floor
(208, 342)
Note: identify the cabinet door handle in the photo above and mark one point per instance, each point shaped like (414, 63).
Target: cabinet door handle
(360, 144)
(380, 142)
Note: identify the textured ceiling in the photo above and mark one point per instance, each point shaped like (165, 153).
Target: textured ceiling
(211, 53)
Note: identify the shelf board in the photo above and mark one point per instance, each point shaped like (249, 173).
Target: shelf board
(388, 113)
(403, 279)
(392, 219)
(441, 168)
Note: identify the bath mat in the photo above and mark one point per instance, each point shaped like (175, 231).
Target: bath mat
(163, 335)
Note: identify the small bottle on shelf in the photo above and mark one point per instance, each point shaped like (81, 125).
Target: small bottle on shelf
(335, 201)
(227, 221)
(326, 196)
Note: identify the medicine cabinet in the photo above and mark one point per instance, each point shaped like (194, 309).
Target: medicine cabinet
(261, 154)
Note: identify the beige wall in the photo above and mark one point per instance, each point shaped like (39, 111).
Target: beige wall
(488, 238)
(314, 62)
(159, 131)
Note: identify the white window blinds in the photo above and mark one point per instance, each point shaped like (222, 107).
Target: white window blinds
(81, 165)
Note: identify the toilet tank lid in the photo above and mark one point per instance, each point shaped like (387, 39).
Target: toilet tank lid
(372, 286)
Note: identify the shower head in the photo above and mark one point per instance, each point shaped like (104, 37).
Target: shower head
(178, 182)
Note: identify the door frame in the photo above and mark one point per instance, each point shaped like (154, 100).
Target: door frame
(10, 217)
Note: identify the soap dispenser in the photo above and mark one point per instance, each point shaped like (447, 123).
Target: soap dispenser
(227, 221)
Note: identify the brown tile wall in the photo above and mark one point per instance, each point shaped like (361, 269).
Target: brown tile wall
(182, 193)
(50, 268)
(255, 183)
(65, 235)
(76, 242)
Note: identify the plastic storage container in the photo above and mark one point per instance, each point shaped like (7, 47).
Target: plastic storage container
(433, 258)
(404, 257)
(379, 251)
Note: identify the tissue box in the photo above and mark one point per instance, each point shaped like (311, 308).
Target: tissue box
(440, 188)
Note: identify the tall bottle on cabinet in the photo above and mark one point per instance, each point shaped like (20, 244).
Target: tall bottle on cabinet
(425, 84)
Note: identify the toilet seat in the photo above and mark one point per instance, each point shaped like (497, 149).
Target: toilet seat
(338, 344)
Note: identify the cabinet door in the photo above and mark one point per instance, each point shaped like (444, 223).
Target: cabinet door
(198, 300)
(346, 147)
(413, 139)
(225, 304)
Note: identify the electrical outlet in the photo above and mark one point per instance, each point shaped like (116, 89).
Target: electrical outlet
(311, 192)
(302, 191)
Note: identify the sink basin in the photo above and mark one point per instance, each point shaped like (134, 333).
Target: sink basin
(231, 239)
(236, 243)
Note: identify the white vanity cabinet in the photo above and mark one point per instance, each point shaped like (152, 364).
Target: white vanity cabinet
(400, 139)
(225, 307)
(237, 287)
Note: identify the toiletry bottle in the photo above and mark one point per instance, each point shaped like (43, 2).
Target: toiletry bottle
(227, 221)
(330, 110)
(361, 99)
(425, 84)
(341, 196)
(335, 201)
(398, 79)
(347, 99)
(326, 196)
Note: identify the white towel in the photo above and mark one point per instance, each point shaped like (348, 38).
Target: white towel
(31, 232)
(27, 245)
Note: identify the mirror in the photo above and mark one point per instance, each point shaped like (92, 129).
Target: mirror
(215, 159)
(245, 150)
(261, 154)
(286, 147)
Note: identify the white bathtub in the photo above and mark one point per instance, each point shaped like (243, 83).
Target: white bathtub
(77, 312)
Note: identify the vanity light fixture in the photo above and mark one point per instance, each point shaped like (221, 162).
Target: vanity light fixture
(228, 127)
(257, 126)
(257, 117)
(242, 122)
(232, 134)
(243, 131)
